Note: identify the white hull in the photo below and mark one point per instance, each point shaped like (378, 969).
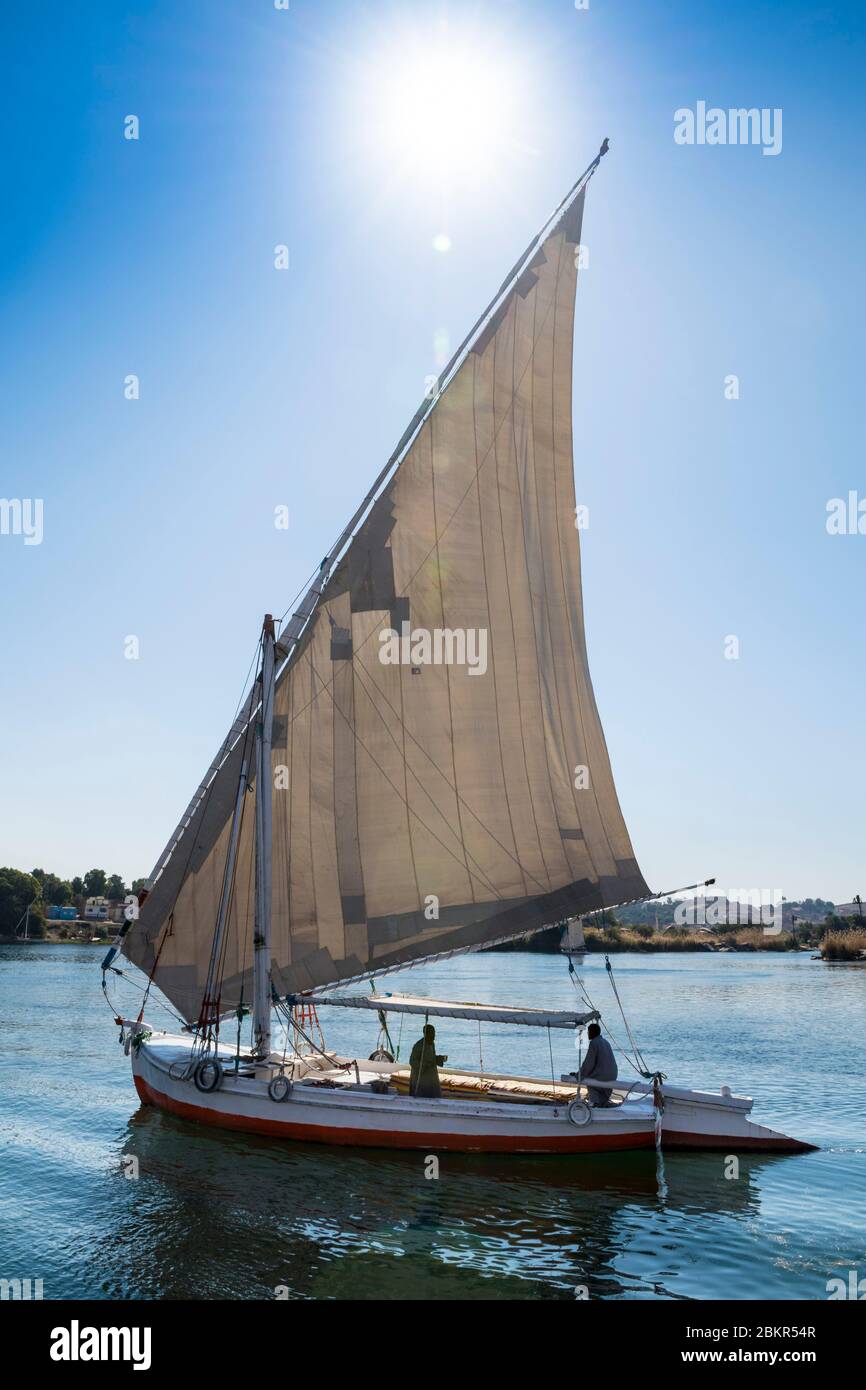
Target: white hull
(336, 1105)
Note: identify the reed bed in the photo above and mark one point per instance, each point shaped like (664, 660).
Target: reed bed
(844, 945)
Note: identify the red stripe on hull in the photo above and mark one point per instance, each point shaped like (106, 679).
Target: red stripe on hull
(382, 1139)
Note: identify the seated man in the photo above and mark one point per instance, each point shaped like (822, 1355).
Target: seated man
(599, 1062)
(423, 1061)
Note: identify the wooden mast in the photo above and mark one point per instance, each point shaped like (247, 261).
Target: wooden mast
(264, 808)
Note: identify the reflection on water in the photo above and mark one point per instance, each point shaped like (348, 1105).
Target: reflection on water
(357, 1223)
(220, 1215)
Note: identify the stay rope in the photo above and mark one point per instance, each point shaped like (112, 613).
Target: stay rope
(637, 1062)
(639, 1057)
(159, 1003)
(167, 929)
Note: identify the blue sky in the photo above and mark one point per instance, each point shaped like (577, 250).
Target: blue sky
(261, 127)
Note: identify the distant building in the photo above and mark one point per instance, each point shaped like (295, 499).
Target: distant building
(96, 909)
(61, 914)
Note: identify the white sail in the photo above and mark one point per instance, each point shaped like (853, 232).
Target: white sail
(455, 788)
(572, 940)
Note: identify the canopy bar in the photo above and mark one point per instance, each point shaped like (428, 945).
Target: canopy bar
(443, 1008)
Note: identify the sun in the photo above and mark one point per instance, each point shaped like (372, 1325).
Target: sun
(440, 108)
(447, 110)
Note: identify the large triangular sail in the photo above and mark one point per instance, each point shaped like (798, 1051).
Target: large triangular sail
(441, 779)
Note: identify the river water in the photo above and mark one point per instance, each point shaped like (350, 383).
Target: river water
(214, 1215)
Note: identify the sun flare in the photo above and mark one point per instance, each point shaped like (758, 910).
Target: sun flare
(441, 109)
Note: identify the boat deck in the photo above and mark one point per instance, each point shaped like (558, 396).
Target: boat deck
(341, 1079)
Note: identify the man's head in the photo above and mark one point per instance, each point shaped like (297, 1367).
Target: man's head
(593, 1031)
(429, 1032)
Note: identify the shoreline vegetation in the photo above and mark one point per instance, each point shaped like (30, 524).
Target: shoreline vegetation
(652, 927)
(27, 898)
(834, 939)
(845, 945)
(616, 938)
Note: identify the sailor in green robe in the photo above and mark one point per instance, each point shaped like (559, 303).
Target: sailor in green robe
(423, 1061)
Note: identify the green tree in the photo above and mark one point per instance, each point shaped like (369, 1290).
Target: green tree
(78, 887)
(833, 922)
(94, 883)
(115, 889)
(56, 891)
(138, 884)
(17, 891)
(36, 925)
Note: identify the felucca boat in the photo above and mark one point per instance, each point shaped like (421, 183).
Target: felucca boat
(418, 770)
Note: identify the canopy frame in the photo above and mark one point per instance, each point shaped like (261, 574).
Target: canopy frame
(444, 1008)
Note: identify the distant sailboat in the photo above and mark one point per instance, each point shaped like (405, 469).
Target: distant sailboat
(419, 770)
(572, 942)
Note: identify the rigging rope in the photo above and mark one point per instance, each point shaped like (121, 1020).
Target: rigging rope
(202, 805)
(552, 1070)
(638, 1055)
(633, 1062)
(283, 1009)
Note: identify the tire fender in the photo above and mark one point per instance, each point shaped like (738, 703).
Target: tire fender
(208, 1075)
(279, 1088)
(579, 1113)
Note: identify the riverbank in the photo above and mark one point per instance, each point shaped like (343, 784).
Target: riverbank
(608, 940)
(612, 940)
(746, 939)
(53, 938)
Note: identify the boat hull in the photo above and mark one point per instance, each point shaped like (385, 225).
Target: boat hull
(360, 1118)
(717, 1120)
(367, 1136)
(340, 1107)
